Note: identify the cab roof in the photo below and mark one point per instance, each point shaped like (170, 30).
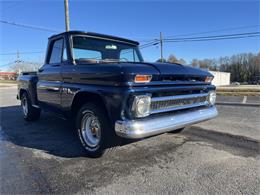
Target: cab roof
(96, 35)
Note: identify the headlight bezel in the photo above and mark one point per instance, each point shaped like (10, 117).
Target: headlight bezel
(212, 98)
(136, 106)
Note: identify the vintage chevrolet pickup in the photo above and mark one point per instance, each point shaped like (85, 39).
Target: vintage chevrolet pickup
(102, 83)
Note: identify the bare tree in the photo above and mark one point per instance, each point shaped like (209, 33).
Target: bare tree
(25, 66)
(181, 61)
(172, 59)
(161, 60)
(243, 67)
(195, 63)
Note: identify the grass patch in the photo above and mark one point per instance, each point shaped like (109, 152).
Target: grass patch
(239, 90)
(8, 81)
(238, 93)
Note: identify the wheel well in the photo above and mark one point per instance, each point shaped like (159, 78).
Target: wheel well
(82, 97)
(21, 92)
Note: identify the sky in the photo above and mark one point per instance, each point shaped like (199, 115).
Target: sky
(138, 20)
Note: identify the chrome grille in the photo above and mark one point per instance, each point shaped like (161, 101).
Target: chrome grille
(178, 102)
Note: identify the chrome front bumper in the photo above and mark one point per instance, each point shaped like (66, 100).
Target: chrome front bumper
(146, 127)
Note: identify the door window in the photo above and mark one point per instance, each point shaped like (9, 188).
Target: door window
(129, 55)
(64, 55)
(56, 53)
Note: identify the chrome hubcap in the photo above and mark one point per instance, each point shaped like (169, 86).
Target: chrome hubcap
(24, 106)
(90, 129)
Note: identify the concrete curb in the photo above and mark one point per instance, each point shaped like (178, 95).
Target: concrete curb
(238, 104)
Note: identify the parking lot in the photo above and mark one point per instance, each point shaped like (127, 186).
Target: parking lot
(220, 156)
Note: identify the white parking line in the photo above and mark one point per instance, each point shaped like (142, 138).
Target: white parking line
(244, 99)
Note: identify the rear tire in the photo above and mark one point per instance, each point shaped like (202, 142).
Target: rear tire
(30, 113)
(94, 129)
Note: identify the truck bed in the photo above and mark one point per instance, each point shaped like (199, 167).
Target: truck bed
(27, 82)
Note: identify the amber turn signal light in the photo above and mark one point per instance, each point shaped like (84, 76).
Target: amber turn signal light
(143, 78)
(208, 79)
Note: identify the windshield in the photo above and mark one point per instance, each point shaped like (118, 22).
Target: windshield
(94, 50)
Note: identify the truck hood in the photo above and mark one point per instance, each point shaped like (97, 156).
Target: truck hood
(165, 71)
(178, 69)
(124, 73)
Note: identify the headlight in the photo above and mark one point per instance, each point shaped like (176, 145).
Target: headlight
(141, 105)
(212, 97)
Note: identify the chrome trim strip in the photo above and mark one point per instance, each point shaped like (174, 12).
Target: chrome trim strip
(134, 129)
(36, 106)
(176, 97)
(179, 107)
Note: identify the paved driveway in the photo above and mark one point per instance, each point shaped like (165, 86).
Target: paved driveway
(213, 157)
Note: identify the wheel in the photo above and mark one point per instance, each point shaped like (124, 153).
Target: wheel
(94, 129)
(30, 113)
(177, 130)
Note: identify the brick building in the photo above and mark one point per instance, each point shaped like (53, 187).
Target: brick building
(8, 75)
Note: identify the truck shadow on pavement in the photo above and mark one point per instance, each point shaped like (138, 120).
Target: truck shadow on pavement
(58, 137)
(50, 133)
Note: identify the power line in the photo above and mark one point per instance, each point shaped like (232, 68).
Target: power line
(29, 26)
(147, 40)
(150, 43)
(7, 64)
(15, 53)
(205, 32)
(213, 39)
(185, 39)
(205, 38)
(219, 30)
(215, 36)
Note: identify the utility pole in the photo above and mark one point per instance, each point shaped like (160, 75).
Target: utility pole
(18, 61)
(67, 18)
(17, 56)
(161, 44)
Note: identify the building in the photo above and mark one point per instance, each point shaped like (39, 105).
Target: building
(220, 78)
(8, 75)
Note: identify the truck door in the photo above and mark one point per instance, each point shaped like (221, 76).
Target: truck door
(50, 80)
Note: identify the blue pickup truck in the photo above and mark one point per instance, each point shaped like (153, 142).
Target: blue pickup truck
(103, 84)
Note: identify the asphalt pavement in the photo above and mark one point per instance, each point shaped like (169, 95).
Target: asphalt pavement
(220, 156)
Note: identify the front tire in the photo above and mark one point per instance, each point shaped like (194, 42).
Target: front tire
(94, 129)
(30, 113)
